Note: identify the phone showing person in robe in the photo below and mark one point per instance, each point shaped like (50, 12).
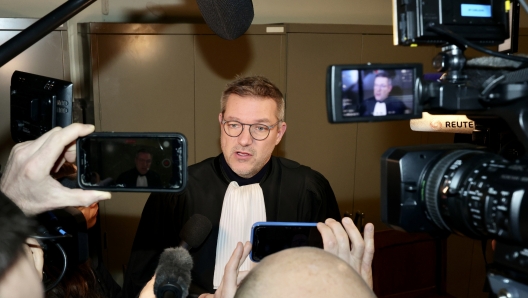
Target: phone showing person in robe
(271, 237)
(132, 162)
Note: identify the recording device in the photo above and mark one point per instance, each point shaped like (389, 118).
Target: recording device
(132, 162)
(373, 92)
(173, 275)
(38, 104)
(271, 237)
(475, 189)
(412, 21)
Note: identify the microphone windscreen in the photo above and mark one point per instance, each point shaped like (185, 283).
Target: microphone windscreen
(174, 270)
(229, 19)
(195, 230)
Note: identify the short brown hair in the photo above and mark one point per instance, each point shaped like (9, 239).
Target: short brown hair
(258, 86)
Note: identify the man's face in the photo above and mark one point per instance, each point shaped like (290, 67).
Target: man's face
(143, 161)
(245, 155)
(382, 88)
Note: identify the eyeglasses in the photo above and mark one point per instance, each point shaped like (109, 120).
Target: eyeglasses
(257, 131)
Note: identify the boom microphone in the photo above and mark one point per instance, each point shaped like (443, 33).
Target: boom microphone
(173, 275)
(229, 19)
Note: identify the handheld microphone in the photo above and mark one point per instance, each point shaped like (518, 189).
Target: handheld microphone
(229, 19)
(195, 230)
(173, 275)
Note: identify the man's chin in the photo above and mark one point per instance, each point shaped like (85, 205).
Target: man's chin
(244, 172)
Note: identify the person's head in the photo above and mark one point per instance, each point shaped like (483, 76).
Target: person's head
(254, 101)
(303, 272)
(143, 161)
(382, 86)
(18, 276)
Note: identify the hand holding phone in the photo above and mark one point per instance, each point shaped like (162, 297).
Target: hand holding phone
(132, 162)
(345, 241)
(271, 237)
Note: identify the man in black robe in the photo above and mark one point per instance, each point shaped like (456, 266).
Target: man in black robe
(140, 175)
(251, 125)
(382, 104)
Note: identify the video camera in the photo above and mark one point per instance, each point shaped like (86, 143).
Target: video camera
(38, 104)
(476, 189)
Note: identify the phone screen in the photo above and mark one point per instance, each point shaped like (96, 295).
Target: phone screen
(269, 237)
(133, 162)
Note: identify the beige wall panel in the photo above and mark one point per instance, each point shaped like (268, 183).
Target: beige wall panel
(46, 58)
(144, 84)
(218, 61)
(310, 139)
(375, 138)
(523, 44)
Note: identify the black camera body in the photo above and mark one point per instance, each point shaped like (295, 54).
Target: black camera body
(478, 189)
(411, 20)
(455, 188)
(38, 104)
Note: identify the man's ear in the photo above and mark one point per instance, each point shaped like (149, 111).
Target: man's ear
(220, 117)
(281, 130)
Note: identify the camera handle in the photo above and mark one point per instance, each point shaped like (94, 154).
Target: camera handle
(451, 61)
(507, 94)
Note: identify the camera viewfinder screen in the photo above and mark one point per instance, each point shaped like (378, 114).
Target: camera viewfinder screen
(475, 10)
(377, 92)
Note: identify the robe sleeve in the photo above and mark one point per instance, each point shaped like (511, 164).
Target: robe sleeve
(320, 201)
(158, 229)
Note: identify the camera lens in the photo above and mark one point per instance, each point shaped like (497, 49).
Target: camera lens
(479, 195)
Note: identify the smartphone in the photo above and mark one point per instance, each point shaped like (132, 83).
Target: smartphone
(132, 162)
(373, 92)
(271, 237)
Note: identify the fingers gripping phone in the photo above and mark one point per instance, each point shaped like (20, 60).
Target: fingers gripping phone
(271, 237)
(132, 162)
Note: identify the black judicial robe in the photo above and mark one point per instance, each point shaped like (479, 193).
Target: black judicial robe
(129, 178)
(292, 192)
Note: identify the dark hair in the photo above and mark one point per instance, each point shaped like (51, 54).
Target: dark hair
(78, 281)
(15, 228)
(143, 150)
(383, 74)
(257, 86)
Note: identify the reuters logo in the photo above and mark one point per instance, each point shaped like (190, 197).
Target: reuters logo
(435, 124)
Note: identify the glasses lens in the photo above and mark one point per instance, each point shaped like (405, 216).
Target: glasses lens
(259, 131)
(233, 128)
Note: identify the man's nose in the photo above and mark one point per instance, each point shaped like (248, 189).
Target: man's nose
(245, 137)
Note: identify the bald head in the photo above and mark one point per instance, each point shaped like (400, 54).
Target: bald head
(303, 272)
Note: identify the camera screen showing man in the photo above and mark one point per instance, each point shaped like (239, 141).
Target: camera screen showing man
(382, 103)
(140, 175)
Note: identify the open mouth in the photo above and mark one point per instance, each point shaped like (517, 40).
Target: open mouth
(243, 154)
